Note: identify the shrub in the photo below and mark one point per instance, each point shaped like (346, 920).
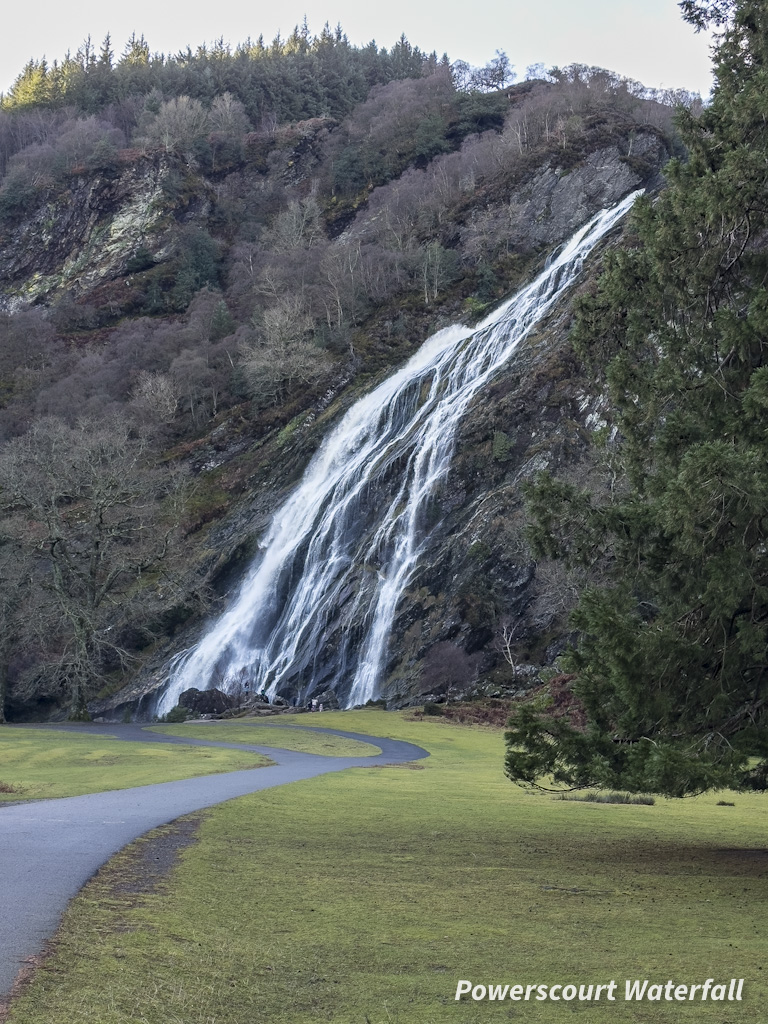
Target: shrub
(609, 798)
(502, 446)
(431, 708)
(198, 264)
(16, 195)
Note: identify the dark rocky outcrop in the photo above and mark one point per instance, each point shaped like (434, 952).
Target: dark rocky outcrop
(76, 238)
(206, 702)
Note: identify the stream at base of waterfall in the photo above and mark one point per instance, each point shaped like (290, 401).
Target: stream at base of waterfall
(316, 608)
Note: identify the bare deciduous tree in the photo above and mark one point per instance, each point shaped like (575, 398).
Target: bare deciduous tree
(14, 589)
(94, 518)
(228, 115)
(283, 353)
(178, 125)
(155, 396)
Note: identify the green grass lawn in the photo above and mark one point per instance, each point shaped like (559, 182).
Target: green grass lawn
(289, 738)
(43, 763)
(362, 897)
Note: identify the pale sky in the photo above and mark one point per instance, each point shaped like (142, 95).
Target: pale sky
(642, 39)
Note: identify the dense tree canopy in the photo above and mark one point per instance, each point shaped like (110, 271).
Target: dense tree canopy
(299, 76)
(670, 674)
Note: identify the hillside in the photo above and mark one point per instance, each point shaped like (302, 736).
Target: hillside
(194, 289)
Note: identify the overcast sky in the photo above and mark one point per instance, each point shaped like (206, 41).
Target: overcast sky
(642, 39)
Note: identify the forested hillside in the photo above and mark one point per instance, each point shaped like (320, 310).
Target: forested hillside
(204, 259)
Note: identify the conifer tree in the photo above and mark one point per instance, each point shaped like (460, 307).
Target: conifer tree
(671, 668)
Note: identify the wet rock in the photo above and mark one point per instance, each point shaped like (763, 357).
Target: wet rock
(328, 699)
(206, 702)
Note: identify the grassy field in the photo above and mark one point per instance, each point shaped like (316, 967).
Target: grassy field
(43, 763)
(288, 737)
(363, 897)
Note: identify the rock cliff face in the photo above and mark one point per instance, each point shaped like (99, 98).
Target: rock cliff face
(554, 202)
(479, 613)
(78, 238)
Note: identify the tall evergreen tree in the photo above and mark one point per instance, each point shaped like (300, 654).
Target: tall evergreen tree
(671, 668)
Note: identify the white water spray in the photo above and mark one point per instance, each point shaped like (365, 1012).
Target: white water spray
(317, 606)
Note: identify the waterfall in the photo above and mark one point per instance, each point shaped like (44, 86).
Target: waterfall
(316, 607)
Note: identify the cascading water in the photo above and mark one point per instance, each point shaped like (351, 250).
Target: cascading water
(317, 606)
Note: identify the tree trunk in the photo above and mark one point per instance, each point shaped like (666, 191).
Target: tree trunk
(3, 687)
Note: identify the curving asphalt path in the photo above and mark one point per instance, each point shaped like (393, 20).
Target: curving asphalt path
(50, 848)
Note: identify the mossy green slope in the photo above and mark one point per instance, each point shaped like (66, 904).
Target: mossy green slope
(43, 764)
(365, 896)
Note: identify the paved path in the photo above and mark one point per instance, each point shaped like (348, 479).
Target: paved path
(50, 848)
